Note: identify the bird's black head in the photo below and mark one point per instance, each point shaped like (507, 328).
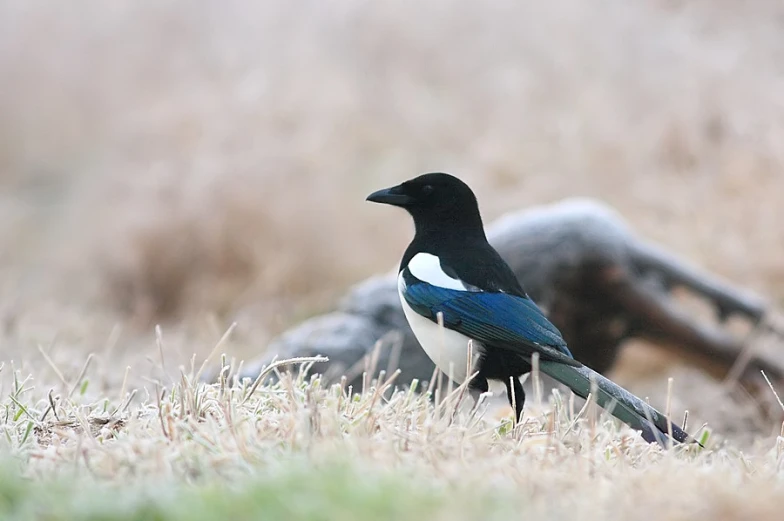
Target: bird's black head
(438, 202)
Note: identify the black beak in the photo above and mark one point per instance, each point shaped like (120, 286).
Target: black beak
(393, 196)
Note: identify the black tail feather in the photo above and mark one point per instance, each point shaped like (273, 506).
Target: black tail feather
(622, 404)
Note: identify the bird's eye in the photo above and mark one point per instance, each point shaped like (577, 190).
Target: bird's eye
(427, 189)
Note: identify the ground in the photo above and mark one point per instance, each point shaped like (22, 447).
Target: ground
(194, 165)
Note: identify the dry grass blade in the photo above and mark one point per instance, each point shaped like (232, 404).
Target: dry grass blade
(455, 395)
(576, 418)
(441, 351)
(773, 390)
(395, 352)
(124, 385)
(280, 363)
(745, 355)
(218, 345)
(668, 412)
(159, 343)
(52, 365)
(81, 375)
(537, 383)
(53, 405)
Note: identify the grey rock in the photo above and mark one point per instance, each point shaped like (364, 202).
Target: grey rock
(597, 281)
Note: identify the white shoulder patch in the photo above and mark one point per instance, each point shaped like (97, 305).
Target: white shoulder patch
(427, 268)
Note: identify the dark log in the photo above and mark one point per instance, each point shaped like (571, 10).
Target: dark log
(598, 282)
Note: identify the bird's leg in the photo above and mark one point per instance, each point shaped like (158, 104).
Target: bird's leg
(477, 387)
(516, 395)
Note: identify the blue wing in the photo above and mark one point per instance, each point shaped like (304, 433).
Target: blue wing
(498, 319)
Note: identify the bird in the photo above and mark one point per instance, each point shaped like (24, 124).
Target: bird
(461, 300)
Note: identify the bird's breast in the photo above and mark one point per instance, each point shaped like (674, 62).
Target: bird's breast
(447, 349)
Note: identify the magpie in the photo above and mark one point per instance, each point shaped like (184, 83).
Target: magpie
(455, 287)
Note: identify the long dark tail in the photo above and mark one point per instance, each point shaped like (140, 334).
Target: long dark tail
(621, 403)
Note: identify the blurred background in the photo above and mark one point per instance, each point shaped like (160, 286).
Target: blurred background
(191, 163)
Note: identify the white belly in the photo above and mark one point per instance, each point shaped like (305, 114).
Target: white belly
(446, 348)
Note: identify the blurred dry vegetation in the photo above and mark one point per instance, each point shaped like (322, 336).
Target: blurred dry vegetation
(167, 161)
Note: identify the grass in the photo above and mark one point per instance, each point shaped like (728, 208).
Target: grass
(298, 450)
(296, 491)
